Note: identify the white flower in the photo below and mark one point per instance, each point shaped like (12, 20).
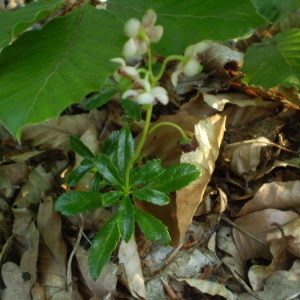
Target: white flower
(124, 70)
(136, 31)
(191, 65)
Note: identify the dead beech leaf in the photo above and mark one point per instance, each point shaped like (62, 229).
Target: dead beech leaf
(209, 287)
(245, 156)
(282, 195)
(257, 276)
(13, 279)
(107, 281)
(53, 252)
(259, 224)
(132, 275)
(209, 134)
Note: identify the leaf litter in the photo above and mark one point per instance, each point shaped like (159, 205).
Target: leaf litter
(235, 231)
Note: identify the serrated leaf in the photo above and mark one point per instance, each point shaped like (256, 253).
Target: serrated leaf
(76, 174)
(174, 178)
(126, 218)
(13, 23)
(108, 170)
(152, 196)
(110, 145)
(180, 19)
(72, 203)
(99, 99)
(153, 228)
(80, 148)
(146, 172)
(46, 70)
(132, 109)
(125, 149)
(102, 247)
(274, 61)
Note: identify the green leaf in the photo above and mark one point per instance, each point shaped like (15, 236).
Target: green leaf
(102, 247)
(153, 196)
(126, 218)
(76, 202)
(46, 70)
(146, 172)
(132, 109)
(76, 174)
(110, 145)
(13, 23)
(80, 148)
(125, 149)
(205, 18)
(108, 170)
(174, 178)
(274, 61)
(99, 99)
(153, 228)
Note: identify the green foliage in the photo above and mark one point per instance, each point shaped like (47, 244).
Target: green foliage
(144, 183)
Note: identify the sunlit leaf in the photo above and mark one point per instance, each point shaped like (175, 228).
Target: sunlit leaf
(153, 196)
(80, 148)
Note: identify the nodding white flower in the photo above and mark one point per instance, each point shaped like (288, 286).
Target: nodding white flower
(147, 95)
(136, 31)
(190, 66)
(124, 70)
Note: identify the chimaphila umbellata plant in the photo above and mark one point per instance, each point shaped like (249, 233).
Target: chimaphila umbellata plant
(119, 176)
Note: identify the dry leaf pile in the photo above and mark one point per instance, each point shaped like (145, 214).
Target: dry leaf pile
(235, 231)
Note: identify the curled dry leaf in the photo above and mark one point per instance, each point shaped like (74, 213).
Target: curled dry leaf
(281, 195)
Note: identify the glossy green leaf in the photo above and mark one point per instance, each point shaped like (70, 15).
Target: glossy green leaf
(102, 247)
(98, 182)
(110, 146)
(99, 99)
(126, 218)
(274, 61)
(46, 70)
(149, 195)
(72, 203)
(76, 174)
(125, 149)
(186, 24)
(80, 148)
(13, 23)
(146, 172)
(174, 178)
(153, 228)
(132, 109)
(108, 170)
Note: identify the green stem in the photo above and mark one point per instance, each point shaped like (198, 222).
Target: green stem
(185, 138)
(139, 147)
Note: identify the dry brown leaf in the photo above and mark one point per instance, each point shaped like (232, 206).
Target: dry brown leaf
(259, 224)
(107, 281)
(13, 278)
(245, 156)
(132, 275)
(283, 195)
(257, 276)
(52, 255)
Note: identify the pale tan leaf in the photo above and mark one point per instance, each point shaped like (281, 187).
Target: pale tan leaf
(132, 275)
(257, 276)
(211, 288)
(107, 281)
(282, 195)
(245, 156)
(13, 279)
(259, 224)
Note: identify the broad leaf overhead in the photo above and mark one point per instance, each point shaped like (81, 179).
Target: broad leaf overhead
(44, 71)
(194, 22)
(275, 60)
(14, 22)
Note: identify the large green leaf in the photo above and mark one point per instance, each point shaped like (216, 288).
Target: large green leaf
(274, 61)
(102, 247)
(46, 70)
(187, 23)
(15, 22)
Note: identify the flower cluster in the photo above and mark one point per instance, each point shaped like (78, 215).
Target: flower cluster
(141, 34)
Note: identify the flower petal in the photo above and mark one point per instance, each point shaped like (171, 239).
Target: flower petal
(156, 33)
(145, 98)
(149, 18)
(119, 60)
(175, 76)
(132, 27)
(191, 68)
(129, 94)
(130, 48)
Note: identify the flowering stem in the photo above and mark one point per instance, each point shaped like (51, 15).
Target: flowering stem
(139, 147)
(185, 138)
